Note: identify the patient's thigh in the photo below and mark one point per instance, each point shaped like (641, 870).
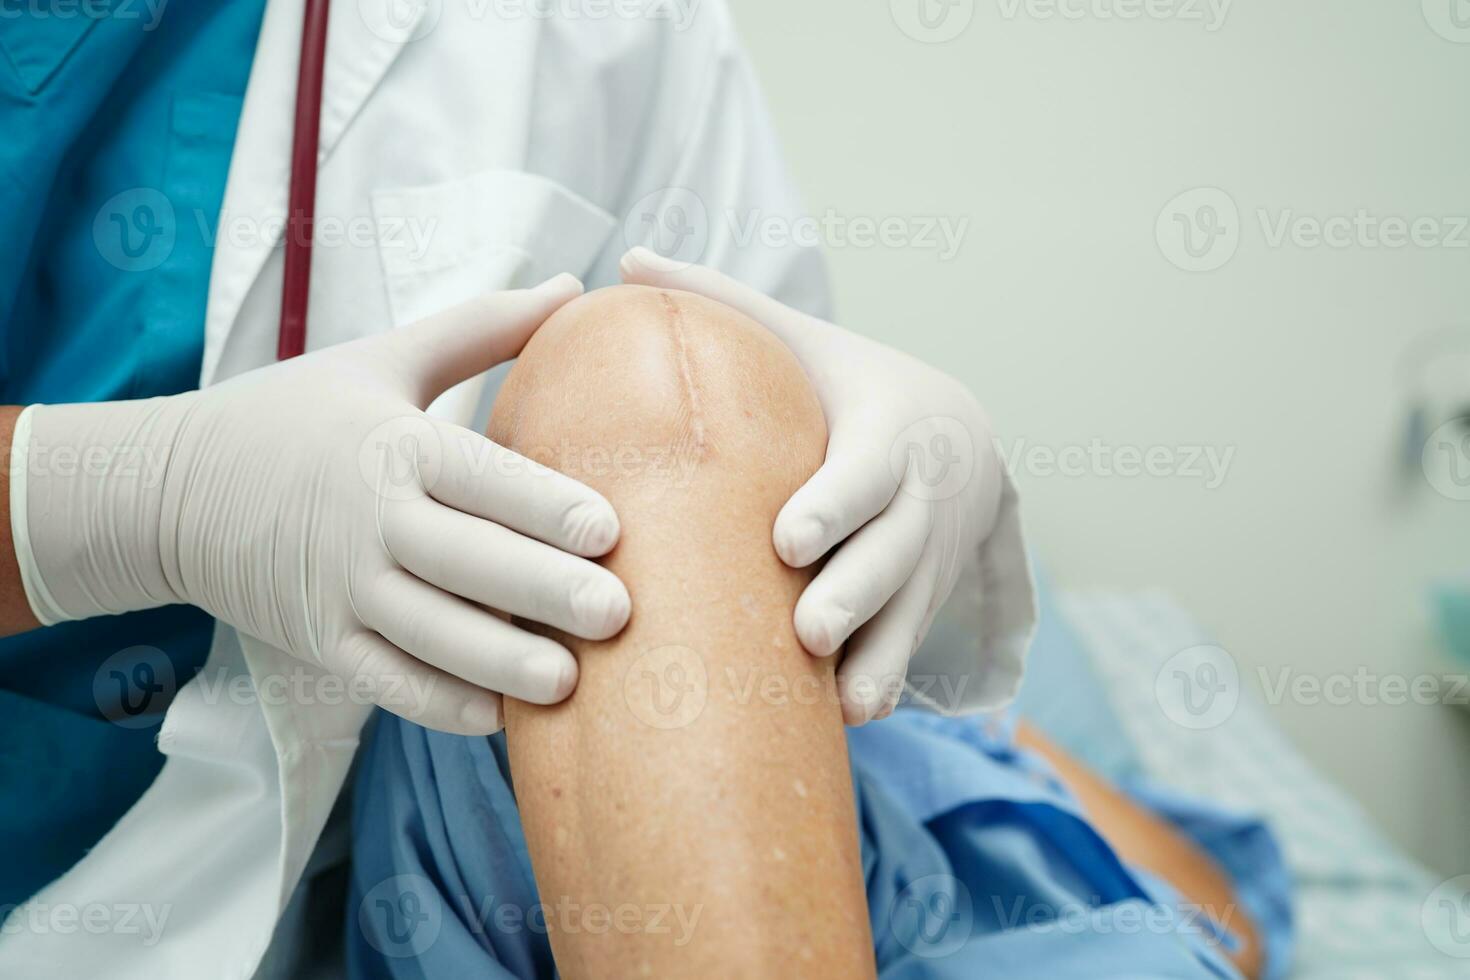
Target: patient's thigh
(698, 774)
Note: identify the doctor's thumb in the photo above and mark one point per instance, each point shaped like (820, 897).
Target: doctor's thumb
(462, 341)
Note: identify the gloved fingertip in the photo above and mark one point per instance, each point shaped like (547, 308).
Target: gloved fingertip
(481, 716)
(601, 536)
(596, 527)
(631, 261)
(855, 714)
(641, 263)
(822, 630)
(798, 540)
(866, 698)
(566, 681)
(562, 284)
(620, 610)
(548, 677)
(602, 608)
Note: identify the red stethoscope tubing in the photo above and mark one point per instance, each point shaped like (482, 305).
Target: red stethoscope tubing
(301, 204)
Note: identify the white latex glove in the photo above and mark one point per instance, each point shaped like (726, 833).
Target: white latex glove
(909, 490)
(314, 505)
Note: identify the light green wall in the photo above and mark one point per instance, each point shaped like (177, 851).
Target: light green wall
(1060, 141)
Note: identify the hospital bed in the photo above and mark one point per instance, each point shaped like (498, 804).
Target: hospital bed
(1361, 904)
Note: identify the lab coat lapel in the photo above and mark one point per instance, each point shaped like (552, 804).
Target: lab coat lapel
(360, 49)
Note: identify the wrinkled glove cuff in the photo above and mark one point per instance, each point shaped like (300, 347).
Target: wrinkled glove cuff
(86, 495)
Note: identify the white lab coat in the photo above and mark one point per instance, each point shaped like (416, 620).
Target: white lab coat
(484, 146)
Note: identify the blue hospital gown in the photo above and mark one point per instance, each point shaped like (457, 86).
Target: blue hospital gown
(977, 862)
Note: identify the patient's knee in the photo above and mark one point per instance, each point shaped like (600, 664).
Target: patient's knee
(661, 398)
(697, 425)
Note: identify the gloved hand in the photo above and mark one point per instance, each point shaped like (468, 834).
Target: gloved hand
(314, 505)
(909, 490)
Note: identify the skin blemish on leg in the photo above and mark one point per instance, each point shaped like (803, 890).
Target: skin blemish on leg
(800, 788)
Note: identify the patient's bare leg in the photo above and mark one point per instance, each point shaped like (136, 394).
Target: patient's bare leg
(699, 772)
(1143, 839)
